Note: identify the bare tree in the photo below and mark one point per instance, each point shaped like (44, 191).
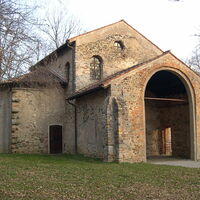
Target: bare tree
(58, 26)
(194, 60)
(23, 40)
(17, 42)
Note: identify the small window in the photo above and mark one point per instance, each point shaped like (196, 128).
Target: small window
(67, 68)
(96, 68)
(119, 45)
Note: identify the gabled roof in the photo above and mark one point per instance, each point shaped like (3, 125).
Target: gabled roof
(66, 45)
(105, 82)
(73, 39)
(34, 76)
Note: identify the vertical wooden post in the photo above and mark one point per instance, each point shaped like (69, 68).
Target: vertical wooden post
(168, 142)
(163, 150)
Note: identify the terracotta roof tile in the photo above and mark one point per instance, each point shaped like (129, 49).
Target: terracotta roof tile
(35, 75)
(103, 83)
(74, 38)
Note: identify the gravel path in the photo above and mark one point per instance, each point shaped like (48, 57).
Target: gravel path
(175, 162)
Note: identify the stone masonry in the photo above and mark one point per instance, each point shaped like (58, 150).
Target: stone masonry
(110, 117)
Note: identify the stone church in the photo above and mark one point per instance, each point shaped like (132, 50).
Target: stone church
(121, 98)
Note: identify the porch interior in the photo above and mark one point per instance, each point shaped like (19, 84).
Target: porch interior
(167, 117)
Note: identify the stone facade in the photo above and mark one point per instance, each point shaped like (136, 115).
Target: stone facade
(33, 111)
(136, 50)
(91, 124)
(108, 118)
(159, 117)
(129, 92)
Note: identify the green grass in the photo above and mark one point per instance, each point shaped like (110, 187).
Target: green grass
(76, 177)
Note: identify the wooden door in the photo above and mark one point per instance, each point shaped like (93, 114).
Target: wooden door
(55, 136)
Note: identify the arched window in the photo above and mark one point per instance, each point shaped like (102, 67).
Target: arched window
(119, 45)
(67, 68)
(96, 68)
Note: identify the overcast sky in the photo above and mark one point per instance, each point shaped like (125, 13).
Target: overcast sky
(170, 25)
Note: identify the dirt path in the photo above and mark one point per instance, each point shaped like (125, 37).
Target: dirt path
(175, 162)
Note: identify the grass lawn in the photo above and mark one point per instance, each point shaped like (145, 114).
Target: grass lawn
(76, 177)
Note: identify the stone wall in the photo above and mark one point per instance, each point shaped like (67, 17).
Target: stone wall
(177, 117)
(101, 42)
(129, 93)
(91, 124)
(69, 130)
(33, 110)
(111, 138)
(162, 115)
(5, 120)
(153, 128)
(136, 50)
(58, 62)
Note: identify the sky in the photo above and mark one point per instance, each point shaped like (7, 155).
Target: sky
(169, 24)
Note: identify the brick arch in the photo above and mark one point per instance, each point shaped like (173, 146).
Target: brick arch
(191, 98)
(165, 66)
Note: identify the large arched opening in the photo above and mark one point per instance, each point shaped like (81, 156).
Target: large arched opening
(169, 116)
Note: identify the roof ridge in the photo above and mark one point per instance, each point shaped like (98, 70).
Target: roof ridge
(122, 20)
(55, 73)
(142, 35)
(28, 75)
(194, 71)
(115, 75)
(102, 83)
(96, 29)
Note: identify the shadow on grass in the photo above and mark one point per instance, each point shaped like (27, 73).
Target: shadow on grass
(79, 159)
(53, 157)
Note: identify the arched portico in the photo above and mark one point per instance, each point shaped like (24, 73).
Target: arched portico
(169, 115)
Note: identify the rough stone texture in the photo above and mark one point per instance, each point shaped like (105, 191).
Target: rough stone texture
(125, 138)
(91, 124)
(5, 120)
(57, 62)
(111, 123)
(101, 42)
(177, 117)
(69, 129)
(32, 113)
(162, 115)
(129, 89)
(153, 126)
(111, 137)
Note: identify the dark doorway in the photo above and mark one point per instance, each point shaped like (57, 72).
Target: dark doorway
(55, 139)
(167, 114)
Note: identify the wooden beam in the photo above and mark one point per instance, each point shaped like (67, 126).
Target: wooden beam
(164, 99)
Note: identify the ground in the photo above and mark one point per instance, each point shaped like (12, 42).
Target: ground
(80, 178)
(168, 160)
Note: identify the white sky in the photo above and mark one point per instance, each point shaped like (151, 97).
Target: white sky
(170, 25)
